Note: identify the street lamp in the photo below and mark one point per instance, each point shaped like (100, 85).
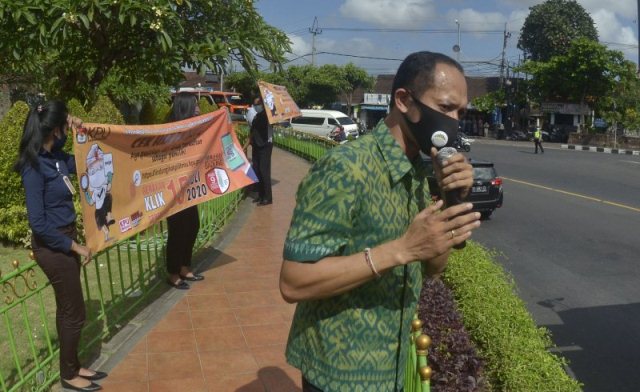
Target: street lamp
(456, 48)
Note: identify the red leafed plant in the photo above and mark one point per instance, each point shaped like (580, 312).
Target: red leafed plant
(452, 355)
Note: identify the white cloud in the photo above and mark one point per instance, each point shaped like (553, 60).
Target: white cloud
(390, 13)
(471, 19)
(611, 30)
(299, 47)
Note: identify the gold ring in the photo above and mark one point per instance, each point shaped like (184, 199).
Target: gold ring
(453, 233)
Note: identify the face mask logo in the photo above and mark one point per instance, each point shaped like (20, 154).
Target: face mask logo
(434, 129)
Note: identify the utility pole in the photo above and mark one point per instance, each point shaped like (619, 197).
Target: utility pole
(506, 37)
(638, 26)
(315, 30)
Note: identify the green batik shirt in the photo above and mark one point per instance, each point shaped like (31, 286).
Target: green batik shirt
(358, 195)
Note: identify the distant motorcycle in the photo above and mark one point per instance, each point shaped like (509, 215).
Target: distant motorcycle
(462, 143)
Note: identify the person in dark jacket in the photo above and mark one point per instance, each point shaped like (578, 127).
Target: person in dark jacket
(261, 139)
(183, 225)
(45, 170)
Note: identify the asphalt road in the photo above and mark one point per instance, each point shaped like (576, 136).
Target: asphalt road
(569, 233)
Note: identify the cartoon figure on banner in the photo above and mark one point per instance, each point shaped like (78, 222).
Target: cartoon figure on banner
(96, 184)
(269, 102)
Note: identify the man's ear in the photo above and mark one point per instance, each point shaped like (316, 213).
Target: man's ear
(401, 97)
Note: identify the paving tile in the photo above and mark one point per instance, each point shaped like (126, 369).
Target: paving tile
(220, 339)
(236, 383)
(213, 318)
(140, 347)
(208, 302)
(206, 286)
(221, 363)
(171, 341)
(192, 384)
(281, 379)
(270, 355)
(174, 366)
(263, 315)
(266, 335)
(252, 284)
(133, 368)
(256, 298)
(125, 386)
(174, 320)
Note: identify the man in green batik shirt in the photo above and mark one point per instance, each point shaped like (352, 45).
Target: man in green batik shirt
(364, 231)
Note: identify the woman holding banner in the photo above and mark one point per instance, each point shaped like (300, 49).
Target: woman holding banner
(45, 170)
(183, 225)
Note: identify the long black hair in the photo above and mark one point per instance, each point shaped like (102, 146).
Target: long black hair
(41, 122)
(184, 106)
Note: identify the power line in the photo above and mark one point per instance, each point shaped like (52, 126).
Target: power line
(315, 30)
(390, 30)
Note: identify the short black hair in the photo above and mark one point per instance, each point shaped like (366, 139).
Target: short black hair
(417, 70)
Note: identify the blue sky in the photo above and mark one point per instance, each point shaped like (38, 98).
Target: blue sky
(376, 29)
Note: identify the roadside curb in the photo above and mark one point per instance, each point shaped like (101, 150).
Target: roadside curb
(601, 149)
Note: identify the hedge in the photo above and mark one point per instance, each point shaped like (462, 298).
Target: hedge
(14, 227)
(515, 349)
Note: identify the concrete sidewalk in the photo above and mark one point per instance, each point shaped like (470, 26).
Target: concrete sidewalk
(228, 333)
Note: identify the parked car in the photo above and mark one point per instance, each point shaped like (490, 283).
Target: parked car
(233, 101)
(517, 136)
(486, 193)
(323, 122)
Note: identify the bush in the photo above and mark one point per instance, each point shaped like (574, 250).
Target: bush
(13, 223)
(515, 350)
(206, 106)
(161, 113)
(104, 112)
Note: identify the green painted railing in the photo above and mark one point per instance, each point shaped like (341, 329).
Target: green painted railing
(120, 282)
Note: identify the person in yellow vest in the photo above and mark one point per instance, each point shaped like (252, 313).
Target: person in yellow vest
(537, 139)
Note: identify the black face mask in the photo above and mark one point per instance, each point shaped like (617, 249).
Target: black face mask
(59, 142)
(434, 129)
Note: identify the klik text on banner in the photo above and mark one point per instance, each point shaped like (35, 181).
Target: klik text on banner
(132, 176)
(277, 102)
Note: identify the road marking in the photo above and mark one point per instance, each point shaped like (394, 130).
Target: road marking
(637, 163)
(611, 203)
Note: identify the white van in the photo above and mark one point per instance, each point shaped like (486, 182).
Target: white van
(322, 122)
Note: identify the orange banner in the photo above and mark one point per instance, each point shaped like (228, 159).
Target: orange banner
(277, 102)
(132, 176)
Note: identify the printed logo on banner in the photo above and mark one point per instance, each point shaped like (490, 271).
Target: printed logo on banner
(218, 180)
(125, 224)
(136, 217)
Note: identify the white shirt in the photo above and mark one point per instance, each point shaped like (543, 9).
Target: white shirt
(251, 113)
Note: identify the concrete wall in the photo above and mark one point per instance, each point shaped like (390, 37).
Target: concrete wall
(604, 140)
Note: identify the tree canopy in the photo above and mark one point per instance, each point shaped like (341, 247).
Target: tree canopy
(309, 85)
(71, 47)
(587, 73)
(551, 26)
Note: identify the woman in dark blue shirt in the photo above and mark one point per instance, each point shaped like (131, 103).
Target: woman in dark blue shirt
(45, 171)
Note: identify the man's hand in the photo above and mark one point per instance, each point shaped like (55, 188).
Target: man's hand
(433, 232)
(456, 173)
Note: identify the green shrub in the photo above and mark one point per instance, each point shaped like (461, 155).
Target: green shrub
(161, 113)
(13, 223)
(506, 336)
(104, 112)
(77, 109)
(206, 106)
